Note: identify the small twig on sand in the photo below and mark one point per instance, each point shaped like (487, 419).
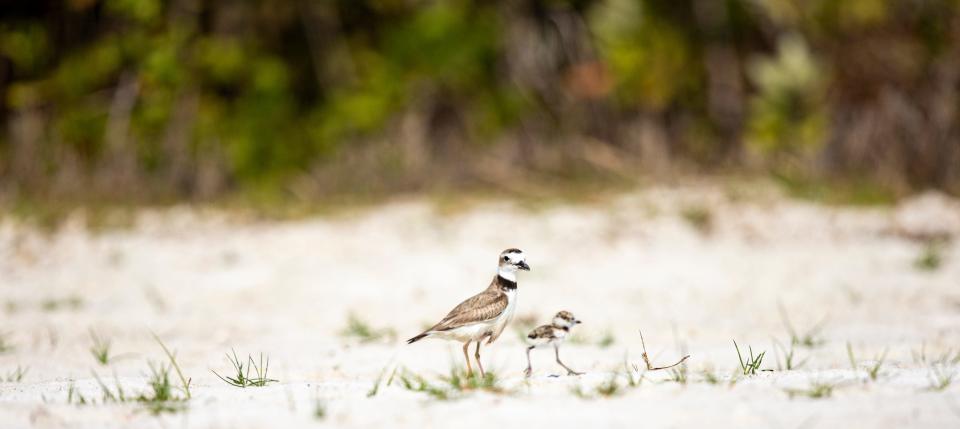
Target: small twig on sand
(646, 358)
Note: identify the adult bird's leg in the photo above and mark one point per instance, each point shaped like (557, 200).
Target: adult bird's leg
(529, 369)
(479, 365)
(466, 355)
(556, 351)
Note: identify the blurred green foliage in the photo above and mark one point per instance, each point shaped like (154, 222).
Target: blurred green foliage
(786, 110)
(648, 53)
(144, 99)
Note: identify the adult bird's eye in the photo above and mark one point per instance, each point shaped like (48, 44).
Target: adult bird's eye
(506, 258)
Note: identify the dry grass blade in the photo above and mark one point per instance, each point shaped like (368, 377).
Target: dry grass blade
(646, 358)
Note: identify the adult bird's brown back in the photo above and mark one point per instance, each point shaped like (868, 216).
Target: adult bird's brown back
(484, 315)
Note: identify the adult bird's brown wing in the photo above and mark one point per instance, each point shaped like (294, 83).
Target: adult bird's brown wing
(484, 306)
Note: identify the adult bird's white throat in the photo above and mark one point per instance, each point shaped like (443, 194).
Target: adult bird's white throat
(486, 314)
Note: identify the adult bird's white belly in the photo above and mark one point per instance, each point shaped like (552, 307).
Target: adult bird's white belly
(501, 321)
(472, 332)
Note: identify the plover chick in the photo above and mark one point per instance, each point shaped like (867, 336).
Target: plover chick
(484, 315)
(552, 335)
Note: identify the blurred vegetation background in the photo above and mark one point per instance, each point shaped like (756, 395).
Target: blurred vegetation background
(151, 101)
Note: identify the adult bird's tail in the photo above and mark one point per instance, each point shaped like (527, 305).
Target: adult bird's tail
(417, 338)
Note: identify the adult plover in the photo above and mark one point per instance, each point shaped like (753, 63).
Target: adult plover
(552, 335)
(484, 315)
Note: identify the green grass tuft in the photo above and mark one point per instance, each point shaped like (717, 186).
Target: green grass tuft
(809, 338)
(459, 381)
(679, 374)
(817, 390)
(5, 345)
(606, 340)
(751, 365)
(930, 259)
(106, 394)
(161, 396)
(941, 378)
(790, 361)
(634, 375)
(609, 388)
(54, 304)
(712, 378)
(319, 409)
(16, 375)
(361, 330)
(699, 218)
(100, 349)
(873, 370)
(417, 383)
(184, 382)
(75, 397)
(453, 386)
(945, 358)
(376, 383)
(241, 371)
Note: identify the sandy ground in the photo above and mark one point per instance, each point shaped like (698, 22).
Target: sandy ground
(206, 284)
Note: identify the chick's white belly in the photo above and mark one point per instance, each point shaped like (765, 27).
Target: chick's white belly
(541, 342)
(557, 339)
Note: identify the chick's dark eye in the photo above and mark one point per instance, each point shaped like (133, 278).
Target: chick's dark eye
(505, 258)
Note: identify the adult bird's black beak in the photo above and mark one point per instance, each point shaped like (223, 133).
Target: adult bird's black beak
(523, 266)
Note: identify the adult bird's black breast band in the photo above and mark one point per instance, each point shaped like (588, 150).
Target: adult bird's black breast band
(505, 283)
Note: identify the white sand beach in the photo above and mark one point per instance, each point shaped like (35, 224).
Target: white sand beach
(695, 267)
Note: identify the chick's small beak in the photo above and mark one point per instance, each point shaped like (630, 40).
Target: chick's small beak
(577, 322)
(523, 266)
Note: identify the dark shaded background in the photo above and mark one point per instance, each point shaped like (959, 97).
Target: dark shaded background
(147, 100)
